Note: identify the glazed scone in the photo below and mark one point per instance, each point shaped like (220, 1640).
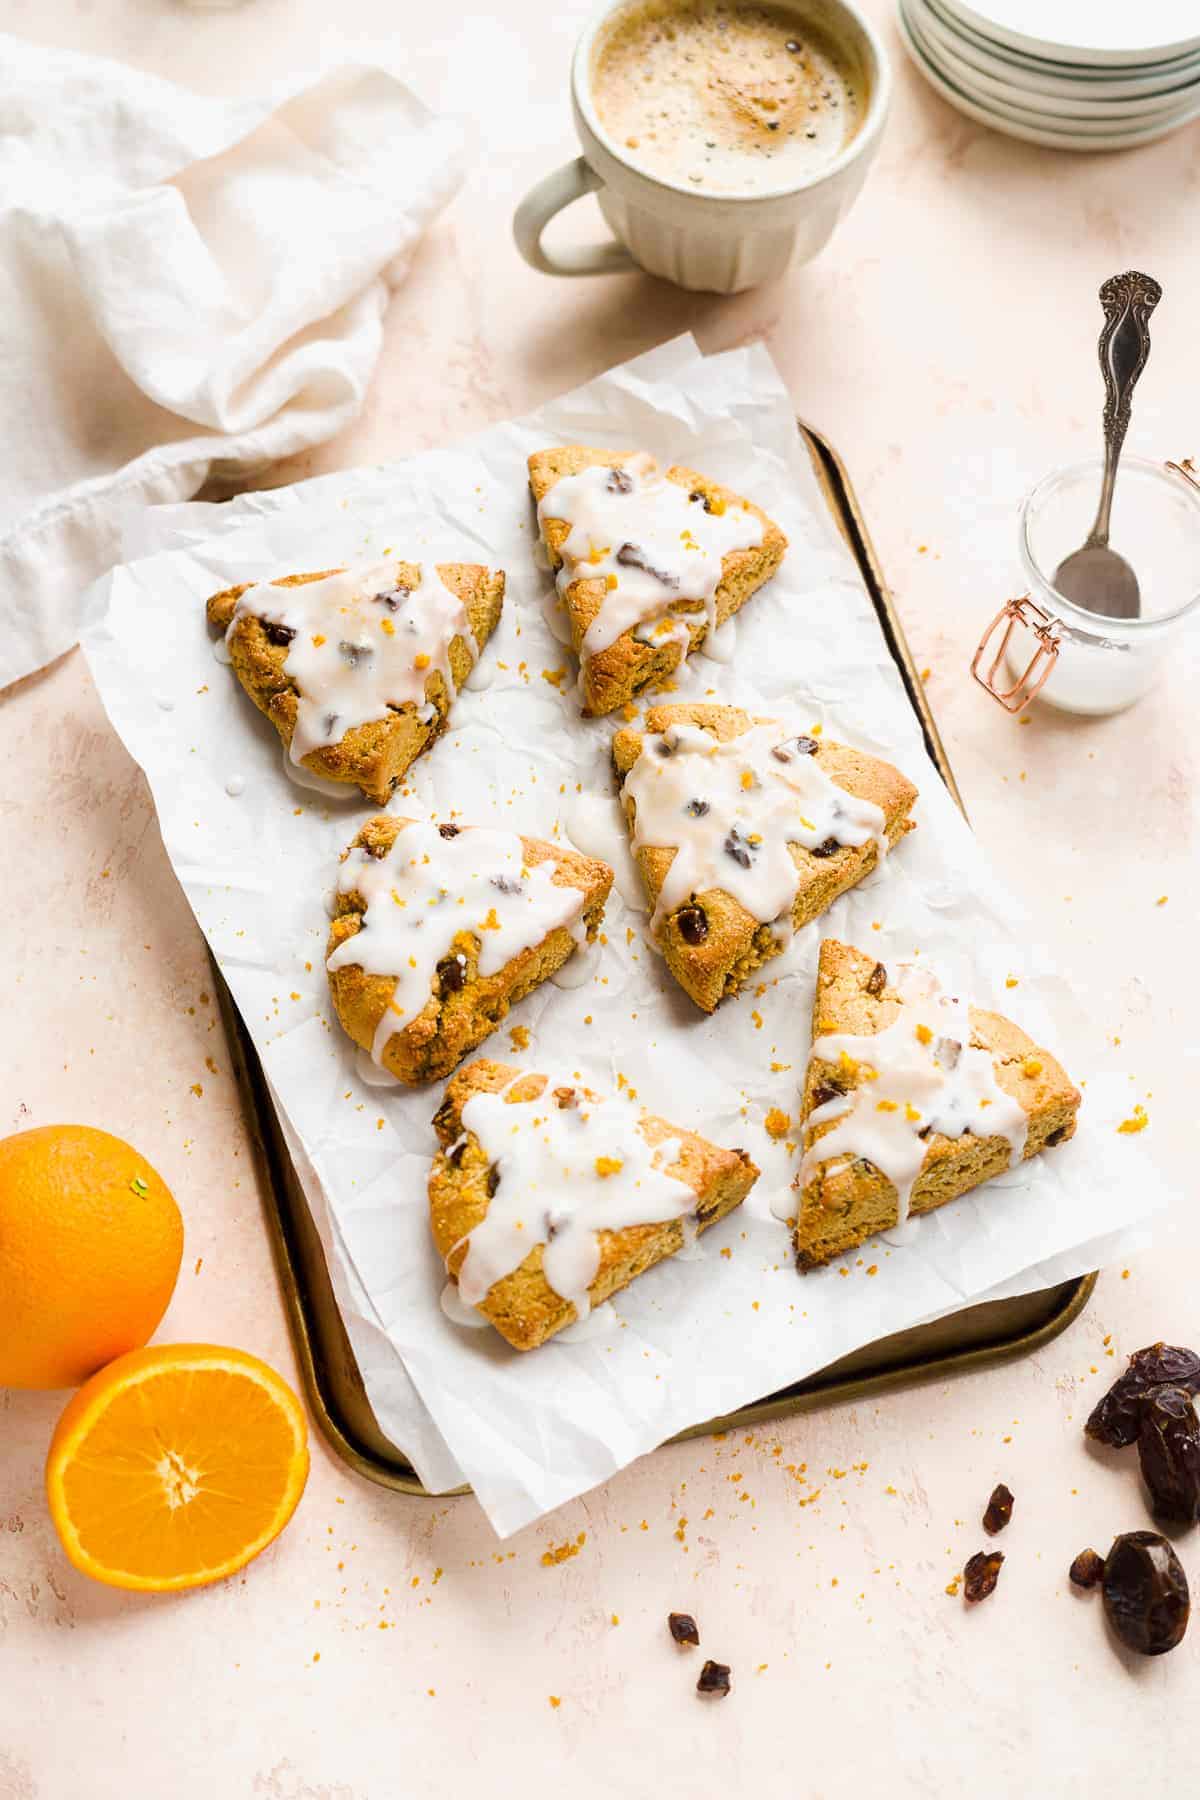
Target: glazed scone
(439, 929)
(745, 830)
(544, 1201)
(648, 562)
(912, 1097)
(357, 668)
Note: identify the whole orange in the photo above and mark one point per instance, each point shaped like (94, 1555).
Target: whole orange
(90, 1245)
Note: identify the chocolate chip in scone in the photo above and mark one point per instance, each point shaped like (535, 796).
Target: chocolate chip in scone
(980, 1575)
(631, 557)
(714, 1679)
(1087, 1569)
(693, 924)
(696, 809)
(493, 1180)
(452, 974)
(829, 847)
(355, 653)
(619, 482)
(999, 1509)
(277, 634)
(877, 980)
(704, 500)
(683, 1628)
(448, 831)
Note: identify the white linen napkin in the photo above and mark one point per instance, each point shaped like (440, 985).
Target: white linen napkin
(189, 286)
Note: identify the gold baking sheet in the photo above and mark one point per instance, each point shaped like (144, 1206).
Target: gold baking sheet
(965, 1340)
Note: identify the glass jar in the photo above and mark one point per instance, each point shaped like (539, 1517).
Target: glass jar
(1081, 661)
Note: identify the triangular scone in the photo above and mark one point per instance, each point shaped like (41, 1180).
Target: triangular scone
(648, 561)
(543, 1204)
(771, 827)
(439, 929)
(912, 1097)
(357, 668)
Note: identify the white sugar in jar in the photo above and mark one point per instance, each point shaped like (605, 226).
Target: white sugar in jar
(1104, 665)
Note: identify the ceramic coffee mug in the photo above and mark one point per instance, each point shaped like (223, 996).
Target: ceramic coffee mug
(717, 243)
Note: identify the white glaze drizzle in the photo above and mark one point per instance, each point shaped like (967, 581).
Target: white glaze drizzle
(457, 1310)
(426, 890)
(730, 810)
(657, 549)
(361, 645)
(926, 1076)
(552, 1189)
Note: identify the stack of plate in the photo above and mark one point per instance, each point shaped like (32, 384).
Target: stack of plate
(1075, 74)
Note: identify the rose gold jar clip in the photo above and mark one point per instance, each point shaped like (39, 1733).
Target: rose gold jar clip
(1045, 628)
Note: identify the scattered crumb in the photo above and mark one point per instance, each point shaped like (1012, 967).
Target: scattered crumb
(558, 1553)
(518, 1036)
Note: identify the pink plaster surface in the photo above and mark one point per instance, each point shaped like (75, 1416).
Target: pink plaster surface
(388, 1647)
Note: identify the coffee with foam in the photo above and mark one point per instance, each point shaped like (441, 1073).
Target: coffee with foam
(723, 97)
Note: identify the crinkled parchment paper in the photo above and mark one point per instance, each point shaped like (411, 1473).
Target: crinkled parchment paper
(699, 1335)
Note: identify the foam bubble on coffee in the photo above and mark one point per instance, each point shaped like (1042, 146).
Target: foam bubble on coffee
(724, 97)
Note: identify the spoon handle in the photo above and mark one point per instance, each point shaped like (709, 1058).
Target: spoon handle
(1128, 300)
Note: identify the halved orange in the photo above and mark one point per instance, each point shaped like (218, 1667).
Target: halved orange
(174, 1466)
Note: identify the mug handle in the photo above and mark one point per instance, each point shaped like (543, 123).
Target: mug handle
(541, 203)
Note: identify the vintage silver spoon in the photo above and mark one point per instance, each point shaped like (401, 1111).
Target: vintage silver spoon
(1094, 576)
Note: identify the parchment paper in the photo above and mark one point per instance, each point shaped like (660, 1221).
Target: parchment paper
(700, 1335)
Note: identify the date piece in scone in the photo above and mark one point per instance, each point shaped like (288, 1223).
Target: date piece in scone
(744, 830)
(544, 1200)
(912, 1097)
(357, 668)
(439, 929)
(649, 562)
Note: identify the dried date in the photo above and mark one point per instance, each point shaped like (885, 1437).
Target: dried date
(1146, 1594)
(739, 848)
(276, 633)
(999, 1509)
(631, 557)
(693, 924)
(448, 831)
(1169, 1452)
(714, 1679)
(827, 847)
(1087, 1569)
(877, 980)
(980, 1575)
(1116, 1419)
(683, 1628)
(797, 746)
(452, 974)
(619, 482)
